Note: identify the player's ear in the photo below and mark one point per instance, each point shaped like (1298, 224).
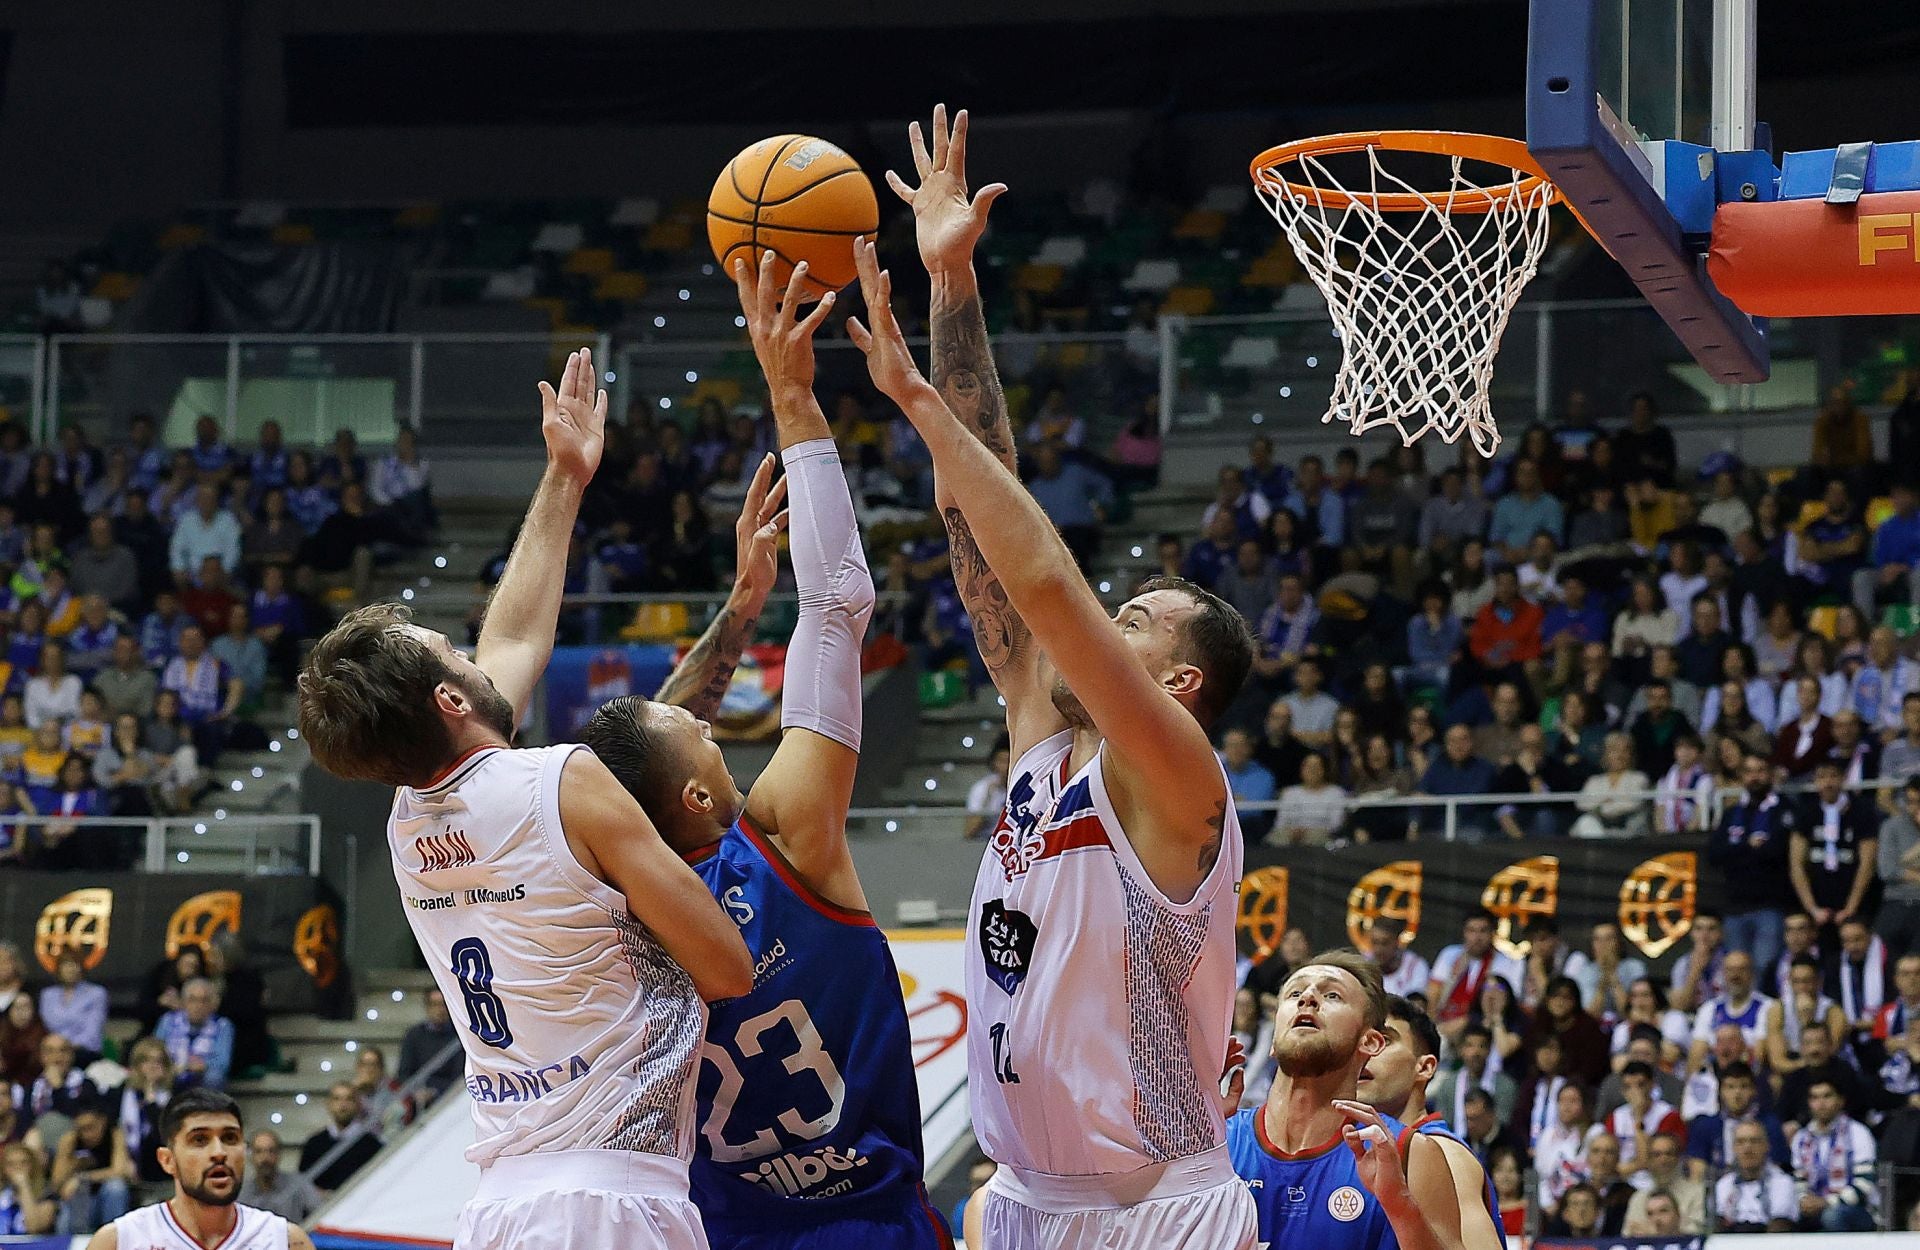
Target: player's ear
(451, 700)
(1425, 1066)
(164, 1155)
(1372, 1041)
(696, 798)
(1183, 679)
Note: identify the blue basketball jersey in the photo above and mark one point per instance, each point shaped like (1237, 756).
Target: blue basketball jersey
(1433, 1124)
(807, 1106)
(1312, 1199)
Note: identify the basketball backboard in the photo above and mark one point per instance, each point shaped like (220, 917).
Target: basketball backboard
(1642, 113)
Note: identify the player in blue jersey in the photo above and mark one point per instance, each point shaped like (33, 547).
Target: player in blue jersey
(809, 1115)
(1324, 1169)
(1394, 1083)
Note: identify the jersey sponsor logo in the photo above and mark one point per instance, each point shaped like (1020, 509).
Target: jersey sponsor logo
(1296, 1193)
(484, 895)
(739, 910)
(775, 959)
(1345, 1204)
(526, 1084)
(440, 851)
(1016, 839)
(434, 902)
(798, 1174)
(1007, 939)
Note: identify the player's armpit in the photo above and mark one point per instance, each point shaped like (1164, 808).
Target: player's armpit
(297, 1238)
(1012, 657)
(800, 799)
(613, 839)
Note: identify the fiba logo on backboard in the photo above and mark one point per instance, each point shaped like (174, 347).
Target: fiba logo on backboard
(1345, 1204)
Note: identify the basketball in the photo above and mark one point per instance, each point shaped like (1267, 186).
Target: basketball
(800, 198)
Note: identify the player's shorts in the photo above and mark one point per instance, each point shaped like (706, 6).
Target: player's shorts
(1189, 1204)
(582, 1200)
(918, 1229)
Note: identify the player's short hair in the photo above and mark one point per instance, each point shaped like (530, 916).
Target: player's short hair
(196, 1100)
(1644, 1032)
(1421, 1030)
(1363, 970)
(366, 700)
(1478, 1095)
(646, 763)
(1738, 1070)
(1216, 640)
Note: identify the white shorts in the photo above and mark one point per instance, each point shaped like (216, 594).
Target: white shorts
(1191, 1204)
(582, 1200)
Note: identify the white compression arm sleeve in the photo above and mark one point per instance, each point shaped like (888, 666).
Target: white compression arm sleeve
(836, 597)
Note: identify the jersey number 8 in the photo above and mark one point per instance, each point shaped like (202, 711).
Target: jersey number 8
(486, 1014)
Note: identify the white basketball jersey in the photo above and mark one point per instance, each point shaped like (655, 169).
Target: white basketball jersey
(581, 1032)
(1100, 1010)
(155, 1228)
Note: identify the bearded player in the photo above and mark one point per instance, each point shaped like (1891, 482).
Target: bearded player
(1394, 1082)
(1100, 962)
(808, 1108)
(578, 945)
(204, 1151)
(1324, 1168)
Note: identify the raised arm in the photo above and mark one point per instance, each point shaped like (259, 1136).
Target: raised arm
(947, 225)
(1165, 769)
(516, 638)
(614, 840)
(801, 796)
(699, 681)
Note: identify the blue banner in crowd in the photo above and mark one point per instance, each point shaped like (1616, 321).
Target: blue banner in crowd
(580, 679)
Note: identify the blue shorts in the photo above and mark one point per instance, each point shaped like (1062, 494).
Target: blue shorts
(919, 1229)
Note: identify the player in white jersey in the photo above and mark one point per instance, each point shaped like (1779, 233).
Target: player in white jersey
(1100, 963)
(204, 1150)
(578, 946)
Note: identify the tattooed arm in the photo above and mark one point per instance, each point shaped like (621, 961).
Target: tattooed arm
(699, 681)
(948, 225)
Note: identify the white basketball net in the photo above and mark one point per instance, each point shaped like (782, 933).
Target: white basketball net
(1419, 298)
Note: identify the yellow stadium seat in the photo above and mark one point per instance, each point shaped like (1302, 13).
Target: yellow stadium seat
(668, 236)
(1824, 622)
(727, 390)
(621, 284)
(1780, 477)
(1203, 224)
(292, 232)
(181, 234)
(553, 306)
(1879, 510)
(1810, 511)
(116, 286)
(1188, 301)
(415, 216)
(591, 261)
(657, 622)
(1038, 279)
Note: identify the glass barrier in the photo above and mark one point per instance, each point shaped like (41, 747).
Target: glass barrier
(1230, 373)
(100, 382)
(216, 841)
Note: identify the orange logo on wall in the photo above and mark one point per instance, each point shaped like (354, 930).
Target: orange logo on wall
(316, 944)
(79, 921)
(1391, 890)
(1656, 902)
(1518, 893)
(1263, 910)
(196, 921)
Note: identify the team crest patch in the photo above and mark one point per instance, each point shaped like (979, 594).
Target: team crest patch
(1345, 1204)
(1007, 939)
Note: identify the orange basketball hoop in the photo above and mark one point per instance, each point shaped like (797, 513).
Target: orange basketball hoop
(1419, 281)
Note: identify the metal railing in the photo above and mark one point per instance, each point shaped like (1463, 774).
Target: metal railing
(462, 390)
(267, 845)
(450, 1053)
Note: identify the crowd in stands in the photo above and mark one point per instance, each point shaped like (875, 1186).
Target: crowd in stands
(1583, 617)
(80, 1110)
(149, 596)
(1734, 1094)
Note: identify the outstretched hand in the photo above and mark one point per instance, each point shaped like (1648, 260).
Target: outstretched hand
(1233, 1078)
(889, 362)
(757, 536)
(782, 342)
(945, 221)
(573, 421)
(1376, 1156)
